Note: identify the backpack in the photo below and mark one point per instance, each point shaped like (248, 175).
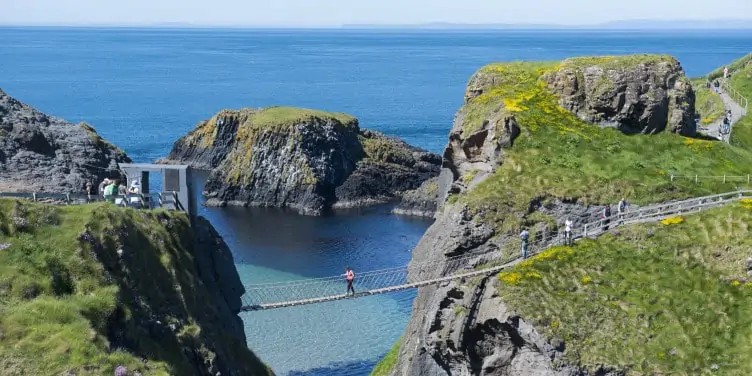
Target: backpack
(525, 235)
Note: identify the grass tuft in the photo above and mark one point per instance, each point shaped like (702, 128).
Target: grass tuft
(386, 364)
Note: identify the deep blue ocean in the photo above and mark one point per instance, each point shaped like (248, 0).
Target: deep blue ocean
(144, 88)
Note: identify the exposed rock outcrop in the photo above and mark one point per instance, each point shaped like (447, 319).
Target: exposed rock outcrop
(637, 94)
(41, 153)
(463, 328)
(301, 159)
(420, 202)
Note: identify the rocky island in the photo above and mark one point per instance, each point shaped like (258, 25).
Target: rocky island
(307, 160)
(536, 143)
(42, 153)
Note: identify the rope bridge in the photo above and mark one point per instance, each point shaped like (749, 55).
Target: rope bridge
(470, 265)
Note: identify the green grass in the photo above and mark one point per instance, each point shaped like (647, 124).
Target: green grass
(616, 62)
(67, 304)
(380, 148)
(559, 155)
(287, 116)
(707, 103)
(656, 299)
(741, 133)
(386, 364)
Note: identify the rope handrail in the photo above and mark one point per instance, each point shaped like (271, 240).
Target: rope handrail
(476, 254)
(284, 294)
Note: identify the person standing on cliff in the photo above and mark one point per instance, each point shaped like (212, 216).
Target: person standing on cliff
(350, 277)
(606, 217)
(524, 236)
(568, 232)
(725, 73)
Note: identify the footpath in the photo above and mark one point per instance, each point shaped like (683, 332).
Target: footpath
(737, 111)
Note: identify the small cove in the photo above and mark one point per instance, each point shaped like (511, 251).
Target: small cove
(342, 337)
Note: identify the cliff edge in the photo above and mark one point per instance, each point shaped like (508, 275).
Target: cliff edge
(534, 144)
(306, 160)
(86, 289)
(41, 153)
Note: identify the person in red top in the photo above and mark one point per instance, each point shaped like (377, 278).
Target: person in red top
(349, 276)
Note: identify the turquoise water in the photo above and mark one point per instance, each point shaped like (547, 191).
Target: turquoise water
(144, 88)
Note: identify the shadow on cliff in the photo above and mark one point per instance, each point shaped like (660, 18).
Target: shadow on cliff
(166, 309)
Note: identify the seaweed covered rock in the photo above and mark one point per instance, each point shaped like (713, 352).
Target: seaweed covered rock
(89, 289)
(41, 153)
(302, 159)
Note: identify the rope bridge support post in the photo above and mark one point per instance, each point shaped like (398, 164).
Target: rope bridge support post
(724, 178)
(34, 196)
(695, 179)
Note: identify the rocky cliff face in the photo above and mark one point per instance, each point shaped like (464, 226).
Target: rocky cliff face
(41, 153)
(302, 159)
(462, 327)
(146, 291)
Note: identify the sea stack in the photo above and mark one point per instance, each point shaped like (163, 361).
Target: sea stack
(307, 160)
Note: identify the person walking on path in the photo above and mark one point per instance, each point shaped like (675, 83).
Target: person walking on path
(524, 235)
(568, 232)
(725, 73)
(606, 217)
(88, 187)
(350, 277)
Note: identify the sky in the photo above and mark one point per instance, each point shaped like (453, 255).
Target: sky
(322, 13)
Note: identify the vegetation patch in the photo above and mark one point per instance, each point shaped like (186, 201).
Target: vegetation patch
(387, 363)
(654, 299)
(381, 148)
(707, 103)
(741, 81)
(69, 304)
(615, 62)
(559, 155)
(97, 139)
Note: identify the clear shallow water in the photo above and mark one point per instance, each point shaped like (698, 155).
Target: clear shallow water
(143, 89)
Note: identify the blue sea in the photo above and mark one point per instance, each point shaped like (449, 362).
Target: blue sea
(144, 88)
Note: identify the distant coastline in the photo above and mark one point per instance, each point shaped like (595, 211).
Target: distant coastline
(623, 25)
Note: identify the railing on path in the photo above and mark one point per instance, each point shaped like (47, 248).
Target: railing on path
(153, 200)
(742, 179)
(736, 96)
(318, 290)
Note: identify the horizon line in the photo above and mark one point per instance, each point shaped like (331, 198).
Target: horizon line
(626, 24)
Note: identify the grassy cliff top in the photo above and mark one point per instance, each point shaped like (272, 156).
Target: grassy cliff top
(659, 299)
(559, 155)
(271, 118)
(68, 303)
(616, 62)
